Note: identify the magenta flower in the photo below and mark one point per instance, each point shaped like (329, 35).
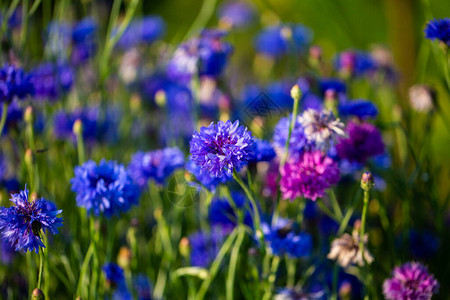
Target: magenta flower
(308, 176)
(410, 281)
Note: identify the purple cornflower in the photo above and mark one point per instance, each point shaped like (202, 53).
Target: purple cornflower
(222, 147)
(21, 224)
(359, 108)
(205, 246)
(203, 56)
(205, 179)
(439, 29)
(236, 14)
(143, 31)
(280, 40)
(411, 281)
(14, 83)
(104, 188)
(50, 81)
(298, 141)
(262, 151)
(364, 141)
(157, 165)
(113, 273)
(282, 239)
(308, 176)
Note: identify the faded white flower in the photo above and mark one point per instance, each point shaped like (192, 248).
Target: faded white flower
(321, 127)
(346, 250)
(421, 97)
(129, 65)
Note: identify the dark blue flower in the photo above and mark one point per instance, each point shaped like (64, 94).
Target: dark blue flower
(221, 212)
(439, 29)
(142, 287)
(282, 239)
(298, 140)
(336, 85)
(14, 82)
(356, 63)
(203, 56)
(84, 40)
(205, 246)
(423, 244)
(50, 81)
(113, 273)
(222, 147)
(262, 151)
(283, 39)
(104, 188)
(236, 14)
(157, 165)
(143, 31)
(21, 224)
(359, 108)
(205, 179)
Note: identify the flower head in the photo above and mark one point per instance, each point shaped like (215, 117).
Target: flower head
(321, 127)
(142, 31)
(21, 224)
(157, 165)
(14, 83)
(410, 281)
(113, 273)
(354, 63)
(50, 81)
(222, 147)
(359, 108)
(363, 142)
(346, 250)
(236, 14)
(298, 140)
(104, 188)
(262, 151)
(308, 175)
(439, 29)
(282, 239)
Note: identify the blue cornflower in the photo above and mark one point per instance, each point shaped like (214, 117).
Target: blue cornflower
(50, 81)
(21, 224)
(222, 147)
(203, 56)
(104, 188)
(205, 179)
(113, 273)
(84, 40)
(144, 31)
(439, 29)
(333, 84)
(284, 39)
(221, 213)
(356, 63)
(205, 246)
(359, 108)
(298, 140)
(236, 14)
(262, 151)
(282, 239)
(142, 287)
(157, 165)
(14, 83)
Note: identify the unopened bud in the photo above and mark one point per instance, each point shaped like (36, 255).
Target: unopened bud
(184, 247)
(28, 115)
(77, 127)
(367, 181)
(296, 92)
(124, 258)
(160, 98)
(29, 157)
(286, 33)
(37, 295)
(331, 102)
(135, 102)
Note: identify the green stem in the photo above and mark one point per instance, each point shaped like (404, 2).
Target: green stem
(206, 11)
(335, 204)
(41, 267)
(291, 269)
(24, 29)
(4, 116)
(46, 268)
(291, 128)
(95, 236)
(363, 222)
(84, 268)
(80, 147)
(257, 220)
(233, 262)
(272, 277)
(216, 265)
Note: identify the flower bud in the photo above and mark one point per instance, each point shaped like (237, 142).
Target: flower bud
(367, 181)
(28, 115)
(160, 98)
(184, 247)
(29, 157)
(124, 258)
(77, 127)
(37, 295)
(296, 92)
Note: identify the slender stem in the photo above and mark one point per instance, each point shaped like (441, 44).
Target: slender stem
(46, 268)
(363, 222)
(84, 268)
(216, 265)
(80, 147)
(41, 267)
(335, 282)
(291, 269)
(24, 29)
(95, 236)
(206, 11)
(335, 204)
(233, 262)
(257, 220)
(291, 128)
(4, 116)
(272, 277)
